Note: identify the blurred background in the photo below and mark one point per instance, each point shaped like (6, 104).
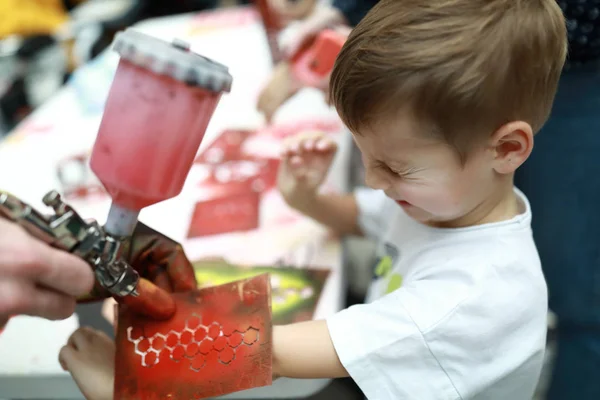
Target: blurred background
(43, 42)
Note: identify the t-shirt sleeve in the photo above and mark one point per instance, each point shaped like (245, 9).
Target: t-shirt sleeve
(370, 211)
(385, 353)
(354, 10)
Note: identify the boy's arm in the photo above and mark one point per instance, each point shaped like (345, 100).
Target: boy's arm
(337, 212)
(305, 351)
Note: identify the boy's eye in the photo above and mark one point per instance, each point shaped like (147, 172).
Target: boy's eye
(399, 173)
(404, 174)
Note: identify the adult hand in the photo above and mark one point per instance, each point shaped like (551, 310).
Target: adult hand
(36, 279)
(163, 267)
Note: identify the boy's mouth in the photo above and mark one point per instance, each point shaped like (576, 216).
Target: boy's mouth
(403, 203)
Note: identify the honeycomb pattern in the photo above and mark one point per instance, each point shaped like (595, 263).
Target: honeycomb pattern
(193, 343)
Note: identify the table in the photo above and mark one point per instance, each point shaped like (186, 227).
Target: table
(66, 126)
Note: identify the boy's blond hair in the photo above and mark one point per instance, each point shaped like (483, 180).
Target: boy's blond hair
(462, 67)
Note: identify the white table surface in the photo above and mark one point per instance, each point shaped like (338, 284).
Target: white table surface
(67, 124)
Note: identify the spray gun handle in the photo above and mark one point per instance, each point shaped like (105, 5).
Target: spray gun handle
(66, 230)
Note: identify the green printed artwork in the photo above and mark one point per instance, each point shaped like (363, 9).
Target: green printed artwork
(394, 282)
(295, 291)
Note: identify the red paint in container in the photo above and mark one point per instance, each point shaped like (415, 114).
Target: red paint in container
(159, 106)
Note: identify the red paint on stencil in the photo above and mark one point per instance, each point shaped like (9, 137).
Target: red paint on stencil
(218, 342)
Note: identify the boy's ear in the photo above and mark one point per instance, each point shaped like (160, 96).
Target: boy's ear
(512, 144)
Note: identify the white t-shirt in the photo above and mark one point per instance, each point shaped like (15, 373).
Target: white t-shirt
(455, 313)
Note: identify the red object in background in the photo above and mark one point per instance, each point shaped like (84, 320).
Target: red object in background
(312, 64)
(226, 213)
(227, 147)
(232, 187)
(232, 193)
(218, 342)
(248, 174)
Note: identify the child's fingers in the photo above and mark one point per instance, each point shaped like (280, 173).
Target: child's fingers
(321, 144)
(66, 358)
(295, 166)
(83, 337)
(326, 144)
(296, 161)
(102, 337)
(78, 339)
(307, 142)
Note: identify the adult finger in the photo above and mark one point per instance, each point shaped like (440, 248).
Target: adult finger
(151, 301)
(57, 269)
(158, 275)
(18, 296)
(181, 271)
(67, 357)
(3, 321)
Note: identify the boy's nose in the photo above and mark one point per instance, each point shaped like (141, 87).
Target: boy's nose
(376, 180)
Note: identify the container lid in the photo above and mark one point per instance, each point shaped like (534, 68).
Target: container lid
(172, 59)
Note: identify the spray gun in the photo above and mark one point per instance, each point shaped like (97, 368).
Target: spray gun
(159, 106)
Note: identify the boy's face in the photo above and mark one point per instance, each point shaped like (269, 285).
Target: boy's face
(423, 174)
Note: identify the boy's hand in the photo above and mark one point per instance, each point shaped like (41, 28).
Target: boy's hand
(89, 356)
(279, 89)
(305, 161)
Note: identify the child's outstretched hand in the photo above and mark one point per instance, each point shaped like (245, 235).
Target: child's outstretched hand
(89, 356)
(305, 161)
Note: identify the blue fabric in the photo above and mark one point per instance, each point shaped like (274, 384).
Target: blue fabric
(583, 26)
(562, 181)
(354, 10)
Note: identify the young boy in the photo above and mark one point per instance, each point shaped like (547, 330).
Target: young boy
(443, 99)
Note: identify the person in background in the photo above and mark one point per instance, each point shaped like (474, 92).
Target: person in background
(314, 17)
(33, 17)
(561, 180)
